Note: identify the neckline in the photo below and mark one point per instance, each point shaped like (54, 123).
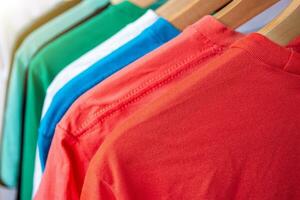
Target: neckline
(215, 31)
(285, 58)
(260, 47)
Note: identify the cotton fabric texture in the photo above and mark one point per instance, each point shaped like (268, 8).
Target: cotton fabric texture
(156, 35)
(86, 61)
(230, 130)
(95, 114)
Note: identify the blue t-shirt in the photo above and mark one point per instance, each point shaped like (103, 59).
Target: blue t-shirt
(151, 38)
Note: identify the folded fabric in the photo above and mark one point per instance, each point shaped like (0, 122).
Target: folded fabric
(95, 114)
(13, 116)
(230, 130)
(51, 60)
(85, 61)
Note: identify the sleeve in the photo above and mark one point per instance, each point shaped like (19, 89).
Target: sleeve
(65, 169)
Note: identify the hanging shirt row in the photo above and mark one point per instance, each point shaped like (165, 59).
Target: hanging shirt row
(148, 99)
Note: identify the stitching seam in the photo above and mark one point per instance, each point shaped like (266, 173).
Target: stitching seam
(162, 79)
(140, 92)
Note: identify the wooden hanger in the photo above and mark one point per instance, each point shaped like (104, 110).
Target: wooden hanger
(140, 3)
(182, 13)
(286, 26)
(240, 11)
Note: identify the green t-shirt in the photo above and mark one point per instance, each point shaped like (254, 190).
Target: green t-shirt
(13, 116)
(51, 60)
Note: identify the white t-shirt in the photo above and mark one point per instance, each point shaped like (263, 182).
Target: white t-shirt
(128, 33)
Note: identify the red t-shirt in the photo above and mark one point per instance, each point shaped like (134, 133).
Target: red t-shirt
(95, 114)
(230, 130)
